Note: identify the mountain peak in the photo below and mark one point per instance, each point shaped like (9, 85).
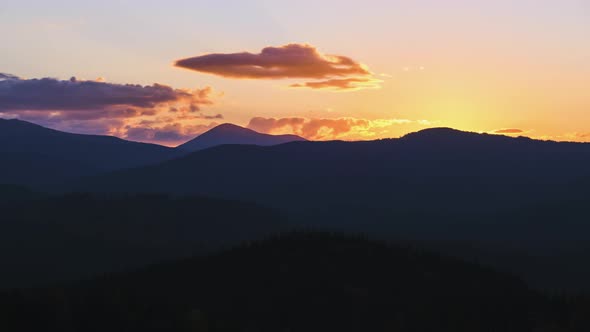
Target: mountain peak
(229, 127)
(228, 133)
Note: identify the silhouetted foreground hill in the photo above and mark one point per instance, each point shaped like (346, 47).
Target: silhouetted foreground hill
(231, 134)
(47, 239)
(35, 155)
(492, 193)
(297, 282)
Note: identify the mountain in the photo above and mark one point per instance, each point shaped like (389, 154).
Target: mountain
(440, 160)
(341, 183)
(297, 282)
(55, 238)
(32, 154)
(489, 194)
(232, 134)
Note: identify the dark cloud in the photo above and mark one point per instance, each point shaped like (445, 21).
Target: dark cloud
(64, 95)
(212, 117)
(156, 113)
(120, 113)
(293, 61)
(509, 131)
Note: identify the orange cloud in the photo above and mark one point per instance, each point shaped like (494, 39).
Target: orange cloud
(327, 129)
(293, 61)
(509, 131)
(342, 84)
(576, 137)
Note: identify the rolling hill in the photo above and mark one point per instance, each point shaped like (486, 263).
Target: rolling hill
(296, 282)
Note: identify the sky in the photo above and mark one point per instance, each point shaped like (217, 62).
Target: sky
(166, 71)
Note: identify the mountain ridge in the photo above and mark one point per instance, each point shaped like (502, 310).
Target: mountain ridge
(35, 154)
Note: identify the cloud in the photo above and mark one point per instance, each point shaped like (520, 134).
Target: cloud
(574, 137)
(509, 131)
(341, 84)
(326, 129)
(292, 61)
(97, 107)
(64, 95)
(171, 134)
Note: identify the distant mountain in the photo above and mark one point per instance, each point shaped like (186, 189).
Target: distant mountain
(232, 134)
(439, 159)
(32, 154)
(433, 170)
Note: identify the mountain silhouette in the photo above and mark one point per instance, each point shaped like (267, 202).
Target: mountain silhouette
(446, 136)
(32, 154)
(429, 158)
(486, 192)
(232, 134)
(443, 134)
(481, 192)
(433, 170)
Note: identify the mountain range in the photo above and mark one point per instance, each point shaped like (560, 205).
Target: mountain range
(491, 198)
(35, 155)
(427, 163)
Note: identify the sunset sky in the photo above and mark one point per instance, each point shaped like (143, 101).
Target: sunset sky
(165, 71)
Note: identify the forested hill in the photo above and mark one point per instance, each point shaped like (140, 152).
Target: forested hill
(298, 282)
